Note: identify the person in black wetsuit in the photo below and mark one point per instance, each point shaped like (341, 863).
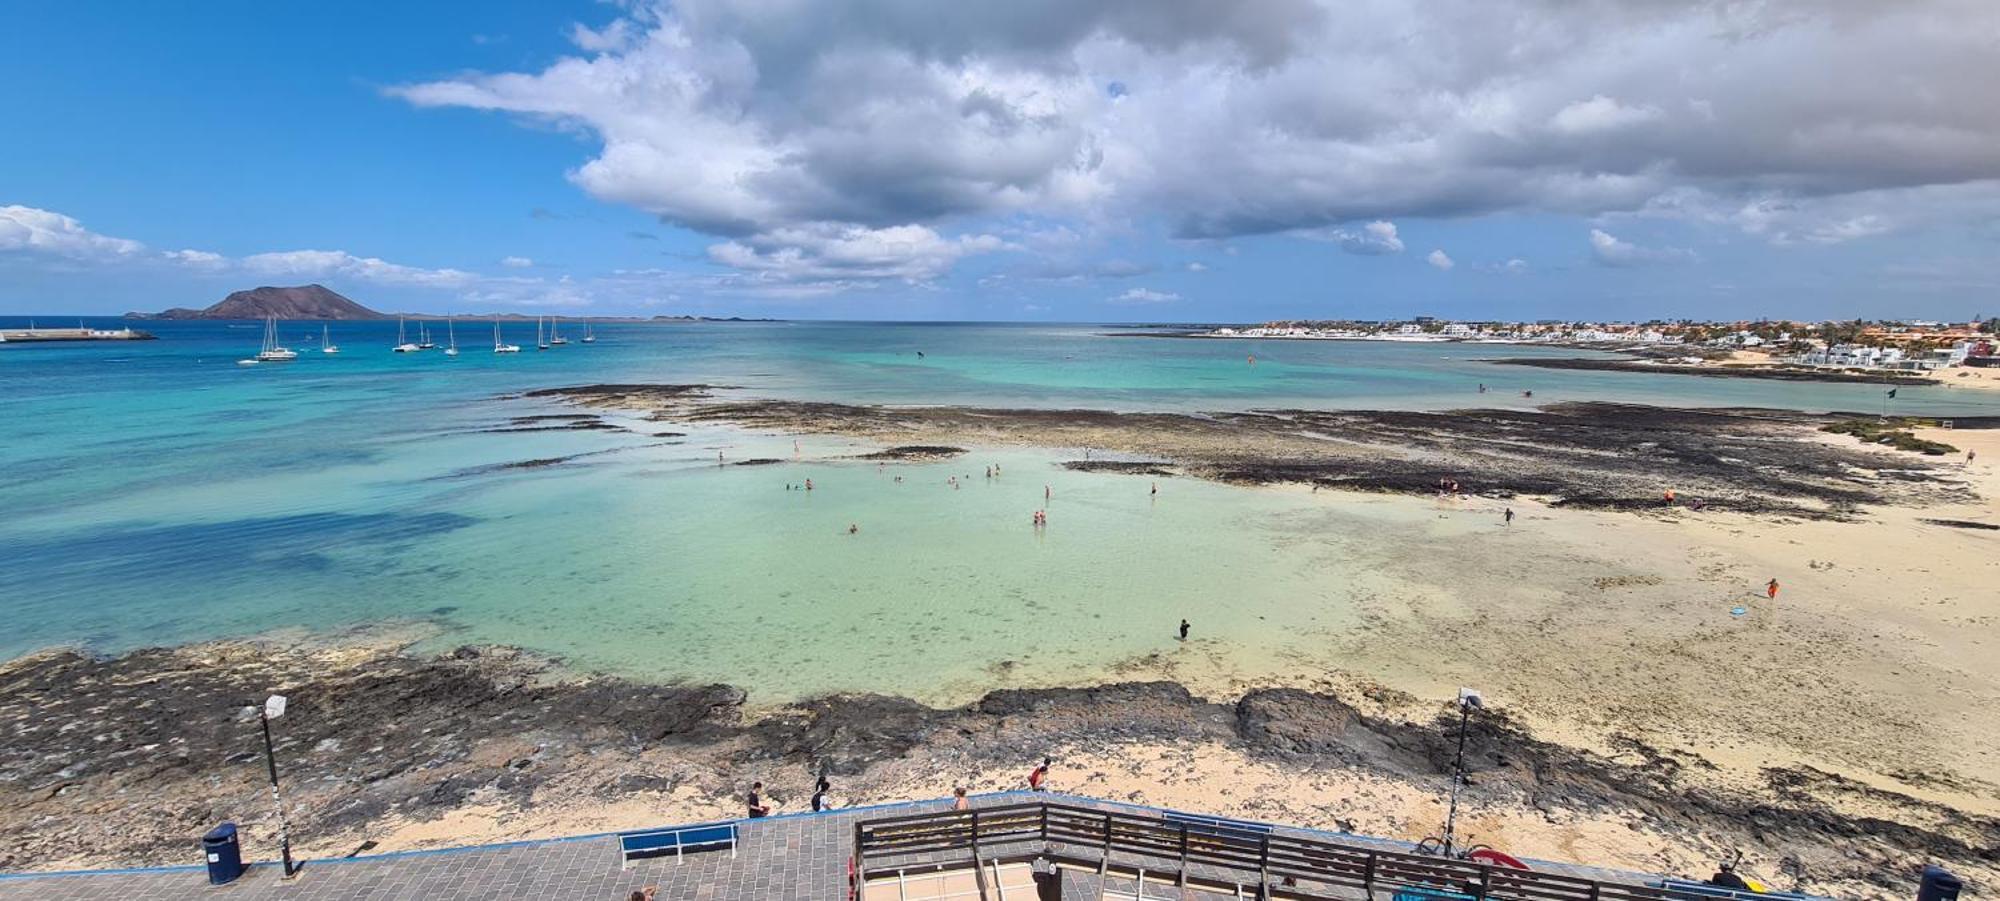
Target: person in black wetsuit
(1184, 629)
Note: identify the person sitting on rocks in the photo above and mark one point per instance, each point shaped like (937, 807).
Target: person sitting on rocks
(755, 801)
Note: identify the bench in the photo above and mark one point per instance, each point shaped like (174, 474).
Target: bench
(657, 842)
(1216, 825)
(1687, 890)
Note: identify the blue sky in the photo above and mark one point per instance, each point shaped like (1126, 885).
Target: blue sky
(1099, 160)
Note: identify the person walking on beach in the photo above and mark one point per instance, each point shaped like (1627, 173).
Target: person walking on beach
(1970, 456)
(755, 801)
(1040, 775)
(1507, 516)
(820, 801)
(1184, 628)
(1771, 590)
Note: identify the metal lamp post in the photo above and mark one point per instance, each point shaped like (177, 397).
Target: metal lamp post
(272, 708)
(1468, 700)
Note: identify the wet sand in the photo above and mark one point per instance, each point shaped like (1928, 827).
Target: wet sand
(1849, 726)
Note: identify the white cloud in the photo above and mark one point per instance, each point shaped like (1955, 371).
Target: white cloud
(1197, 266)
(1609, 250)
(1375, 238)
(25, 228)
(1601, 113)
(1145, 296)
(1440, 259)
(196, 259)
(828, 252)
(741, 118)
(329, 263)
(516, 262)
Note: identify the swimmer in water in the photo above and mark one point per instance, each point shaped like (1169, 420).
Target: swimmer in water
(809, 484)
(853, 528)
(1156, 489)
(1046, 494)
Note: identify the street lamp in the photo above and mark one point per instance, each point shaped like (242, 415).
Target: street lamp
(1468, 701)
(272, 708)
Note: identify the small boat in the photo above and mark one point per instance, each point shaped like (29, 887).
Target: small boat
(326, 345)
(541, 342)
(403, 345)
(451, 334)
(500, 348)
(271, 352)
(589, 337)
(555, 336)
(424, 341)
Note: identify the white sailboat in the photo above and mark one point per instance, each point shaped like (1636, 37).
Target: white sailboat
(500, 348)
(541, 342)
(326, 345)
(271, 352)
(555, 331)
(589, 337)
(451, 334)
(424, 341)
(403, 345)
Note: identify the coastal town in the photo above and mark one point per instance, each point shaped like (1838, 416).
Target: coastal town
(1908, 346)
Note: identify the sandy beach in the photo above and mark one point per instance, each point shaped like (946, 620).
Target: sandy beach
(1650, 706)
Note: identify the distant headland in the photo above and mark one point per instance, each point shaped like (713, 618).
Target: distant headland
(320, 302)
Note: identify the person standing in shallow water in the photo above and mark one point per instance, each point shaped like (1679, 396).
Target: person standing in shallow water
(1184, 629)
(1508, 516)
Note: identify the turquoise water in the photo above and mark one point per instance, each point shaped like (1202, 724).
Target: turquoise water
(160, 493)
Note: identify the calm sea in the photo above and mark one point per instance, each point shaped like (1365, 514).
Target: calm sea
(159, 493)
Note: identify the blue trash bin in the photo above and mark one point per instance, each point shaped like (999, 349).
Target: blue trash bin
(1939, 884)
(224, 853)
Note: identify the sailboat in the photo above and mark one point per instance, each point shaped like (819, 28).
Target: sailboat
(589, 337)
(452, 335)
(500, 348)
(403, 345)
(271, 352)
(541, 343)
(555, 334)
(326, 345)
(424, 341)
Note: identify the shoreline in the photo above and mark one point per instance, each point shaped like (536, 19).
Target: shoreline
(481, 744)
(1644, 726)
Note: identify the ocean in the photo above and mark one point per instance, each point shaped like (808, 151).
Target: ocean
(160, 493)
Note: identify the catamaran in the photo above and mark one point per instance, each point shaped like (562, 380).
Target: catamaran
(326, 345)
(451, 334)
(589, 337)
(541, 343)
(555, 331)
(500, 348)
(271, 352)
(403, 345)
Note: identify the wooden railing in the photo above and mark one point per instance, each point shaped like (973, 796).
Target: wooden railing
(1213, 856)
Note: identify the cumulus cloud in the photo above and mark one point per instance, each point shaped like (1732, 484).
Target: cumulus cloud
(1375, 238)
(1145, 296)
(329, 263)
(25, 228)
(1197, 266)
(837, 253)
(1610, 250)
(198, 259)
(516, 262)
(742, 118)
(1440, 259)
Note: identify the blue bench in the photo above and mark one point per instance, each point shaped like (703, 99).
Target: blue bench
(1688, 890)
(1419, 893)
(657, 842)
(1216, 825)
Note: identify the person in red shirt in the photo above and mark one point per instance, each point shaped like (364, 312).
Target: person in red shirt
(1771, 590)
(1040, 775)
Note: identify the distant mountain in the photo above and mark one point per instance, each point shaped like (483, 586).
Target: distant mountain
(300, 302)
